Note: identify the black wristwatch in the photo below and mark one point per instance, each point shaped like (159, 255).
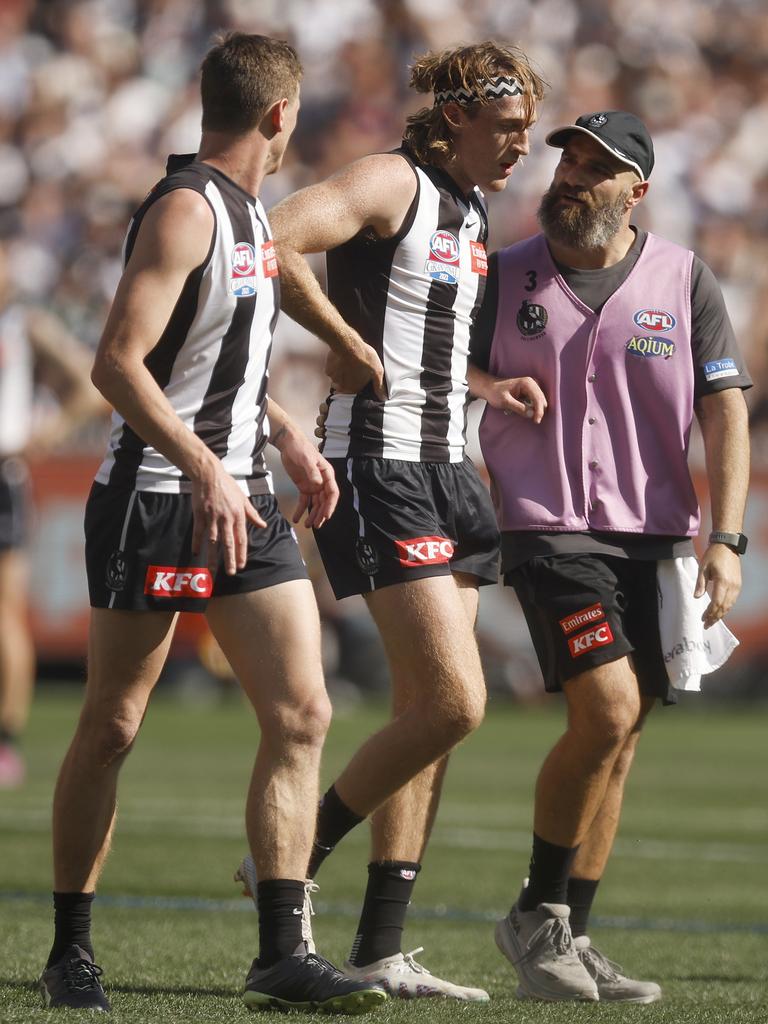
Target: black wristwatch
(735, 541)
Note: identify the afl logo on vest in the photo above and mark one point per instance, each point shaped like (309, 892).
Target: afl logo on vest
(657, 320)
(243, 282)
(531, 319)
(443, 262)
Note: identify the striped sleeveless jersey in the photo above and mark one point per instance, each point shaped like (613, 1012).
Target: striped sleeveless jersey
(413, 298)
(211, 361)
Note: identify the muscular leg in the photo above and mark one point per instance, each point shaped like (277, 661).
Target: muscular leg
(594, 851)
(401, 827)
(126, 652)
(271, 638)
(438, 689)
(17, 657)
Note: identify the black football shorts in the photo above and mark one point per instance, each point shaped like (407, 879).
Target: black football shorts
(138, 552)
(15, 508)
(398, 521)
(585, 610)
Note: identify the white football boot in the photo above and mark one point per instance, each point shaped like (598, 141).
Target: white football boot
(403, 978)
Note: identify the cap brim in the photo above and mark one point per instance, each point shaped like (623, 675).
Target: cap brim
(559, 136)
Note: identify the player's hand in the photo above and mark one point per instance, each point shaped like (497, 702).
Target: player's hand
(220, 516)
(520, 396)
(720, 577)
(358, 365)
(313, 476)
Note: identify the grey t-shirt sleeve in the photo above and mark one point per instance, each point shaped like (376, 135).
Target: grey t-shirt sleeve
(482, 331)
(717, 361)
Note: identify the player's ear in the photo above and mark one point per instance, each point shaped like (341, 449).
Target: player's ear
(452, 114)
(276, 114)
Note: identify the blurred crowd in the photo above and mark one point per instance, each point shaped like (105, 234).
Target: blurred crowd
(95, 93)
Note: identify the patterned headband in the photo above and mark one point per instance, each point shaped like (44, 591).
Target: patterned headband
(492, 88)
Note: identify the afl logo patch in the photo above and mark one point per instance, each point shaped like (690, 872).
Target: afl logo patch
(243, 281)
(367, 557)
(532, 318)
(657, 320)
(444, 246)
(444, 253)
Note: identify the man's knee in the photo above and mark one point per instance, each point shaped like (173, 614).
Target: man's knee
(106, 736)
(606, 716)
(300, 724)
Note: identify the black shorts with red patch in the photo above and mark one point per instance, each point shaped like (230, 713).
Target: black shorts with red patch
(398, 521)
(585, 610)
(138, 553)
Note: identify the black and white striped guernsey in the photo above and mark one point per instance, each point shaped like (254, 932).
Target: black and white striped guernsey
(211, 361)
(413, 298)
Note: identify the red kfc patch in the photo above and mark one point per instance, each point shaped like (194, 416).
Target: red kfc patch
(582, 618)
(172, 581)
(479, 258)
(424, 551)
(589, 639)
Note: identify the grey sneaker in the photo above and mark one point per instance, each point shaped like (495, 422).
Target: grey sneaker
(73, 982)
(539, 945)
(404, 978)
(612, 984)
(309, 983)
(246, 876)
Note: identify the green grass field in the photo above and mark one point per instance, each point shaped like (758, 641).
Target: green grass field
(684, 902)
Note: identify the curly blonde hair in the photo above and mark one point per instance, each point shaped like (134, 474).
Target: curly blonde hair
(464, 67)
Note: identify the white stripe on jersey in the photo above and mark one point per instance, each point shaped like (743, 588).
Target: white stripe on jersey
(16, 381)
(405, 350)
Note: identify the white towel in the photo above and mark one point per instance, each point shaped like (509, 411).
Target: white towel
(690, 651)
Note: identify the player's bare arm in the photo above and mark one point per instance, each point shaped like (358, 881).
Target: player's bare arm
(374, 193)
(311, 473)
(173, 240)
(519, 395)
(724, 427)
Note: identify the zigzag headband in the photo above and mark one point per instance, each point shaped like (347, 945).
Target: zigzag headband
(491, 88)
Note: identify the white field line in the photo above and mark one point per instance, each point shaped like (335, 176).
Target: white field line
(228, 826)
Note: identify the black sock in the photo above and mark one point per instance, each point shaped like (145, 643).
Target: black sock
(379, 934)
(10, 739)
(72, 923)
(549, 872)
(581, 893)
(334, 820)
(280, 902)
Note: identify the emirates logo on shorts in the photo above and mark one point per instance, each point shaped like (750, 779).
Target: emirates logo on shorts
(171, 581)
(582, 617)
(424, 551)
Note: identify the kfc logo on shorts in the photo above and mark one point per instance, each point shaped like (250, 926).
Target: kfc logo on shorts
(586, 641)
(171, 581)
(582, 618)
(424, 551)
(243, 281)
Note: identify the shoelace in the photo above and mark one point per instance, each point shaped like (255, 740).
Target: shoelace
(82, 975)
(599, 966)
(555, 932)
(309, 888)
(411, 964)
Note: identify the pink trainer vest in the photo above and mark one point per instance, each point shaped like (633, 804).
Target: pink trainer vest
(611, 452)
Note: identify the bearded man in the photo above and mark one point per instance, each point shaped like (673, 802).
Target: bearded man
(628, 336)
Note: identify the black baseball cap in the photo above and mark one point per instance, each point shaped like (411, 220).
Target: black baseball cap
(621, 133)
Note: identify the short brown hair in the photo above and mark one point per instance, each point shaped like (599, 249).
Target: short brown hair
(242, 76)
(467, 68)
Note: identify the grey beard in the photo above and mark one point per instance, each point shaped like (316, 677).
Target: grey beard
(581, 227)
